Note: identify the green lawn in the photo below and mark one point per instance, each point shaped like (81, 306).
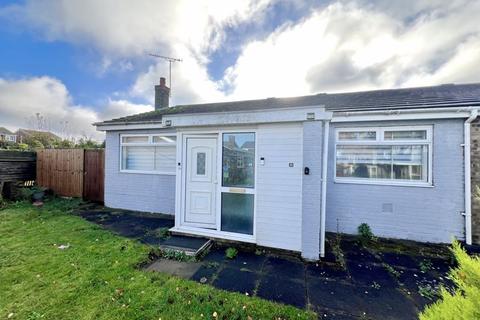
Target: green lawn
(97, 276)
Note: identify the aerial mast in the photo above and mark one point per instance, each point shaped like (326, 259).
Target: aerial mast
(170, 61)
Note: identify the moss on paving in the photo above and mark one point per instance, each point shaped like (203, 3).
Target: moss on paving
(97, 276)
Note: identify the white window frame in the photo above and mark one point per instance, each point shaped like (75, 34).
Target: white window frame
(428, 141)
(149, 143)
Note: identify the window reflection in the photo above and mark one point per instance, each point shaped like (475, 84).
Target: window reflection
(238, 164)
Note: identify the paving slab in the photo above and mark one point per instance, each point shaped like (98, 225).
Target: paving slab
(412, 280)
(204, 274)
(386, 303)
(326, 314)
(399, 260)
(334, 295)
(176, 268)
(441, 265)
(292, 269)
(326, 271)
(215, 254)
(235, 280)
(364, 290)
(128, 223)
(361, 255)
(368, 274)
(248, 260)
(285, 291)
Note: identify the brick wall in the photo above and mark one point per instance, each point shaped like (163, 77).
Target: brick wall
(417, 213)
(475, 165)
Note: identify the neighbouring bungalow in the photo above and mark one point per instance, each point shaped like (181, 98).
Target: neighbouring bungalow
(7, 135)
(280, 172)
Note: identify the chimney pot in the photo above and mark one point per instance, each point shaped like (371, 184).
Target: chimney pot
(162, 95)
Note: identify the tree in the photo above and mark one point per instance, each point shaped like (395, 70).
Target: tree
(65, 144)
(36, 144)
(464, 303)
(88, 143)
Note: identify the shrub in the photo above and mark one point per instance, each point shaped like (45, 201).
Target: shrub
(231, 253)
(365, 233)
(464, 303)
(162, 233)
(337, 251)
(176, 255)
(28, 192)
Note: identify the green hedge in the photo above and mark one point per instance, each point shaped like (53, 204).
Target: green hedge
(464, 303)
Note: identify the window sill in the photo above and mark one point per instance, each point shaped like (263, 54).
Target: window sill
(149, 172)
(386, 183)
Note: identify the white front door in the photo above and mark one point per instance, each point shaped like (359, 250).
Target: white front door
(201, 182)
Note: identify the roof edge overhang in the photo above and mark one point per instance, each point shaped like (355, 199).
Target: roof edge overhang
(404, 114)
(270, 115)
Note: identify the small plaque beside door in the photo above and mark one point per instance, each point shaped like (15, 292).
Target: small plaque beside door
(237, 190)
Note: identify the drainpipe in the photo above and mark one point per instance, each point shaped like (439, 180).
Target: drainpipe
(323, 210)
(468, 183)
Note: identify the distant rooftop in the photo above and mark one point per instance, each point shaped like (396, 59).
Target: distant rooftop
(448, 95)
(29, 132)
(4, 130)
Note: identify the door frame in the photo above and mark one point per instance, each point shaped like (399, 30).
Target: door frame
(180, 224)
(184, 183)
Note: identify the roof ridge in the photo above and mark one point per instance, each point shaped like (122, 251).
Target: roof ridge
(393, 98)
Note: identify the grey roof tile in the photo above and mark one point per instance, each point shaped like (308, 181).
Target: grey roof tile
(391, 99)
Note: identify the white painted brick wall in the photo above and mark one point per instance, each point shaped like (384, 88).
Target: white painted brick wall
(142, 192)
(279, 187)
(311, 190)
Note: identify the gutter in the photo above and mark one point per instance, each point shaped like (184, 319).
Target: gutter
(323, 204)
(451, 112)
(468, 176)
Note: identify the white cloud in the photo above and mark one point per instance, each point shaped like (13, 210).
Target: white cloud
(122, 30)
(342, 46)
(22, 99)
(120, 108)
(127, 28)
(346, 47)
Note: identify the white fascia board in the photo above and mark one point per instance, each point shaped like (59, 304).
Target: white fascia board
(247, 117)
(403, 114)
(132, 126)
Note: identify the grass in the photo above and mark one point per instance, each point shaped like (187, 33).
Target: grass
(231, 253)
(97, 277)
(161, 233)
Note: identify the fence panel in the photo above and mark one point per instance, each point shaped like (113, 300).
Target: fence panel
(93, 186)
(61, 170)
(17, 166)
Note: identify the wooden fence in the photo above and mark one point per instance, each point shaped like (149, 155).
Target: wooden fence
(94, 174)
(15, 166)
(72, 172)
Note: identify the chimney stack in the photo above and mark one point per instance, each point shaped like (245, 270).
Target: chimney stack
(162, 95)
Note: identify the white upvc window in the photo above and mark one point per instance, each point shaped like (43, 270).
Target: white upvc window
(148, 153)
(384, 155)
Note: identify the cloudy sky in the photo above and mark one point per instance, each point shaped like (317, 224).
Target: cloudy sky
(77, 62)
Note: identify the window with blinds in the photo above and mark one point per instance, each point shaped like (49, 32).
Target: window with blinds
(148, 154)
